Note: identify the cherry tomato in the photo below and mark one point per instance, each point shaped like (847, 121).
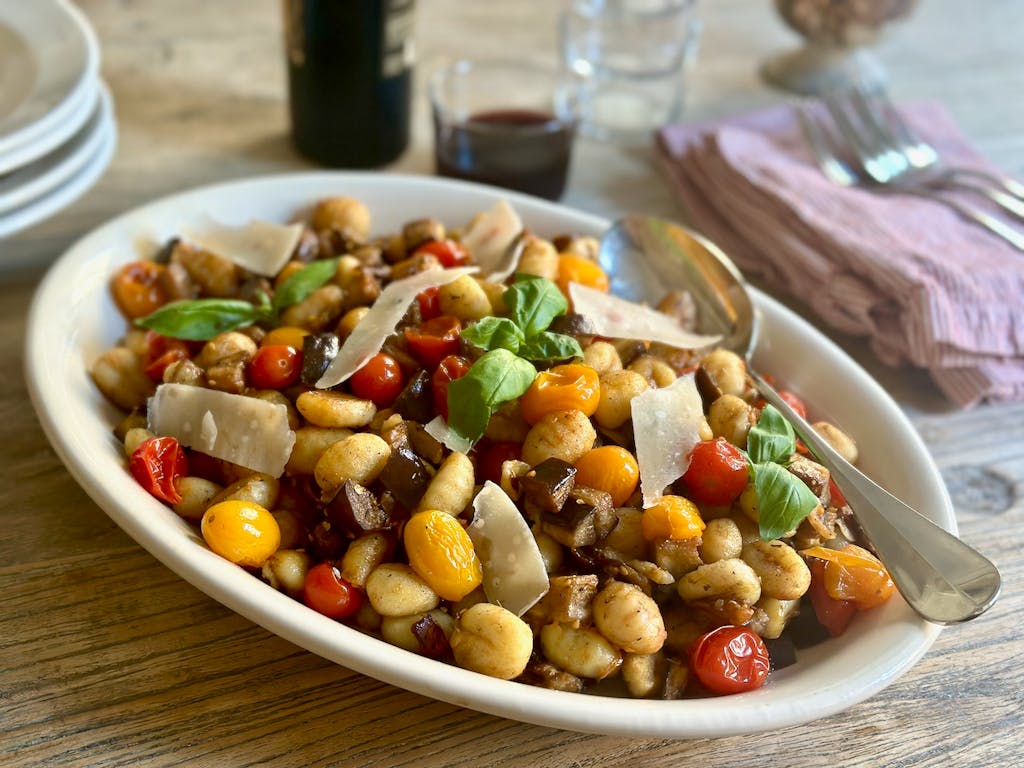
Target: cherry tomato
(717, 474)
(852, 573)
(243, 532)
(672, 517)
(579, 269)
(562, 388)
(430, 304)
(155, 465)
(491, 456)
(836, 497)
(448, 370)
(609, 468)
(448, 252)
(138, 288)
(730, 660)
(380, 380)
(794, 402)
(161, 351)
(434, 339)
(275, 366)
(326, 592)
(834, 615)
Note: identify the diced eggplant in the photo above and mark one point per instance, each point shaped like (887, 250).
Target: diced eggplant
(572, 324)
(425, 444)
(568, 600)
(416, 402)
(814, 475)
(318, 350)
(355, 509)
(549, 484)
(586, 519)
(547, 675)
(709, 391)
(406, 475)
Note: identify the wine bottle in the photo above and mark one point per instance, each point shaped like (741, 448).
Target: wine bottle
(349, 79)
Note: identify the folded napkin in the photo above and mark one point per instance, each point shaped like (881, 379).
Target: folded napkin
(927, 287)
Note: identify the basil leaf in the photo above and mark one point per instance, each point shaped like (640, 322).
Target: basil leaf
(494, 333)
(494, 379)
(201, 319)
(772, 438)
(783, 500)
(299, 285)
(547, 346)
(533, 302)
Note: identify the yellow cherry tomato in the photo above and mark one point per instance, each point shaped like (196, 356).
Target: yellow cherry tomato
(441, 553)
(609, 468)
(672, 517)
(241, 531)
(577, 269)
(563, 388)
(286, 335)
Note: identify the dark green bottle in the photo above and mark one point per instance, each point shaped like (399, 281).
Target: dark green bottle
(350, 79)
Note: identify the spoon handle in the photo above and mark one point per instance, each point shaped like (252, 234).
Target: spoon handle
(944, 580)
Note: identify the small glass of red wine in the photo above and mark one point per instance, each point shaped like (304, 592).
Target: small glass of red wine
(501, 123)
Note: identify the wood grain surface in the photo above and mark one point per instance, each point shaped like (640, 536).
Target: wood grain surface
(109, 659)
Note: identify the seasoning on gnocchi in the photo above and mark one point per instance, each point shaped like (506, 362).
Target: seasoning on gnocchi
(457, 440)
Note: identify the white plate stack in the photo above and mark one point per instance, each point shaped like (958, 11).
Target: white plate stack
(57, 127)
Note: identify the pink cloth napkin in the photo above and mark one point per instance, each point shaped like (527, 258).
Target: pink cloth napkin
(927, 287)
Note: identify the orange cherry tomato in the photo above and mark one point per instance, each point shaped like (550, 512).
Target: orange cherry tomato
(288, 335)
(609, 468)
(672, 517)
(138, 289)
(577, 269)
(852, 573)
(562, 388)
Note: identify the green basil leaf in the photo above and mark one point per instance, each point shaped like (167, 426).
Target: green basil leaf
(548, 346)
(533, 302)
(299, 285)
(494, 333)
(772, 438)
(783, 500)
(201, 319)
(494, 379)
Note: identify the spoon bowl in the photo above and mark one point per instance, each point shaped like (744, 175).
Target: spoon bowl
(942, 579)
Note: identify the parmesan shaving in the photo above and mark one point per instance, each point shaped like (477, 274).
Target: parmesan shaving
(259, 246)
(666, 425)
(243, 430)
(514, 574)
(491, 239)
(387, 311)
(438, 429)
(618, 318)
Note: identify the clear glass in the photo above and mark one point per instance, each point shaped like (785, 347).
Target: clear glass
(624, 64)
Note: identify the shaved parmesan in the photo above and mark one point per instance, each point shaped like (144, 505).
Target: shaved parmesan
(259, 246)
(666, 425)
(514, 574)
(621, 319)
(438, 429)
(390, 307)
(243, 430)
(491, 239)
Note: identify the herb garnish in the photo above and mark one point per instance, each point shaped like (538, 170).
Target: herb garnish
(505, 372)
(202, 319)
(783, 500)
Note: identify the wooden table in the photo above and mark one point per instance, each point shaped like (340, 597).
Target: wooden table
(110, 659)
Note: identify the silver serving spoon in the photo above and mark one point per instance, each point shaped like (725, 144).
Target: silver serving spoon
(940, 577)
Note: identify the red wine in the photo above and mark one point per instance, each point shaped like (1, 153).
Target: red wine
(349, 79)
(517, 149)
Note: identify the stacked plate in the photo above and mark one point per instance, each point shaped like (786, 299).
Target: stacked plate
(57, 128)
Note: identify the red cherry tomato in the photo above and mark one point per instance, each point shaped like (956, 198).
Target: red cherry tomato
(434, 339)
(155, 465)
(275, 367)
(730, 660)
(448, 252)
(430, 305)
(161, 351)
(794, 402)
(717, 474)
(448, 370)
(493, 455)
(836, 497)
(380, 380)
(834, 615)
(326, 592)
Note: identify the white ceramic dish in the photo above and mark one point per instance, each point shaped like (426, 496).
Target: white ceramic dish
(49, 60)
(75, 174)
(72, 320)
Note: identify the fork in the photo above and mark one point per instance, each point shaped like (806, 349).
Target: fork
(828, 153)
(891, 154)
